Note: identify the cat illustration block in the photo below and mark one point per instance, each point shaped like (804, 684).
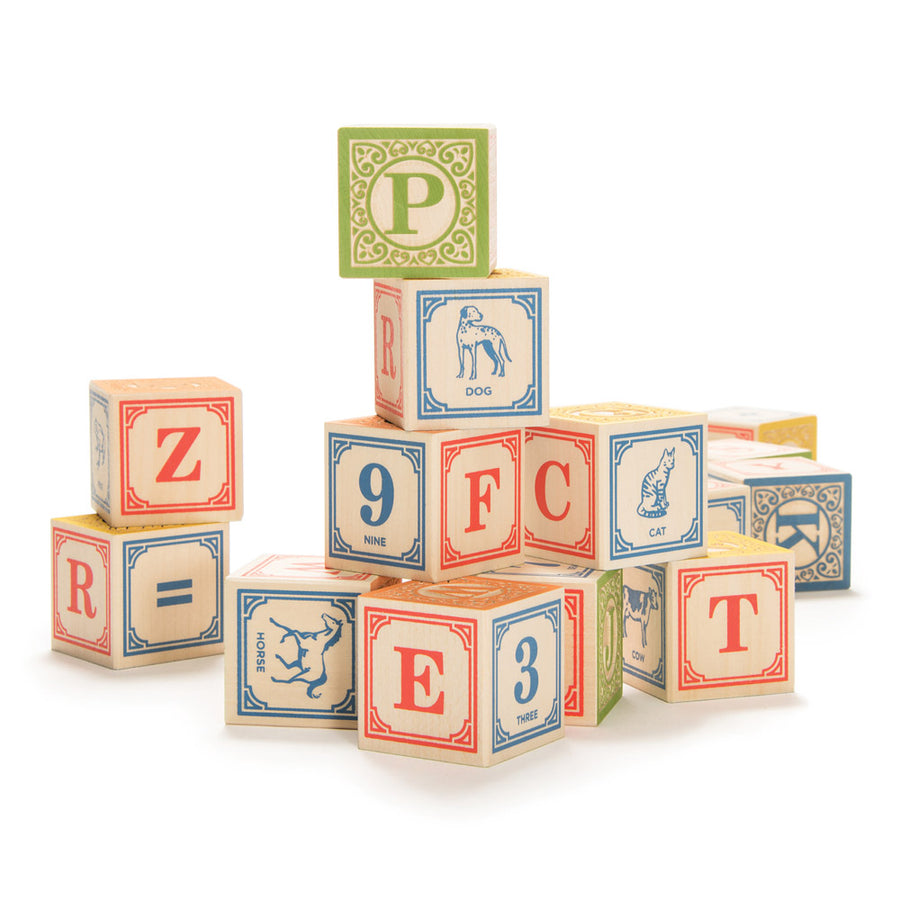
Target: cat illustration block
(614, 484)
(727, 449)
(430, 505)
(729, 506)
(592, 603)
(721, 625)
(290, 642)
(462, 353)
(126, 597)
(166, 451)
(769, 425)
(801, 505)
(417, 202)
(467, 671)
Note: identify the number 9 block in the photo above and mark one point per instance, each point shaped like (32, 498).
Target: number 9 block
(467, 671)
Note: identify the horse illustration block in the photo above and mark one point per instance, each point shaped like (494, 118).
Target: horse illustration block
(592, 602)
(803, 506)
(290, 642)
(770, 425)
(166, 451)
(729, 506)
(467, 671)
(462, 353)
(613, 485)
(429, 505)
(728, 449)
(417, 202)
(721, 625)
(126, 597)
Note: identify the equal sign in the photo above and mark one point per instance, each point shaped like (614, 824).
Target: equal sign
(174, 599)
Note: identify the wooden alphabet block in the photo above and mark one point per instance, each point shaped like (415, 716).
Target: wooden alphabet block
(771, 425)
(290, 642)
(803, 506)
(462, 353)
(430, 505)
(126, 597)
(615, 484)
(593, 634)
(729, 506)
(467, 671)
(721, 625)
(417, 202)
(166, 451)
(729, 449)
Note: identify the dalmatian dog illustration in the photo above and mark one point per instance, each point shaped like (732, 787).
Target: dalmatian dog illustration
(638, 606)
(311, 647)
(470, 335)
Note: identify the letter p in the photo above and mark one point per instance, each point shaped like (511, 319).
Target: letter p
(434, 193)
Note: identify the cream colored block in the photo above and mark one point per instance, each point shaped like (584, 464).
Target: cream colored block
(729, 449)
(769, 425)
(729, 506)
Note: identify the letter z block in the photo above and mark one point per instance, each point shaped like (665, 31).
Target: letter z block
(430, 505)
(467, 671)
(166, 451)
(614, 485)
(593, 634)
(290, 642)
(721, 625)
(803, 506)
(417, 202)
(466, 353)
(126, 597)
(769, 425)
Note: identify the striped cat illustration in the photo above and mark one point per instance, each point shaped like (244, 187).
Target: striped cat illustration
(654, 502)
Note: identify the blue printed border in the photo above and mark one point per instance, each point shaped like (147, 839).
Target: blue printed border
(658, 676)
(133, 643)
(502, 739)
(735, 505)
(338, 444)
(529, 404)
(103, 402)
(248, 704)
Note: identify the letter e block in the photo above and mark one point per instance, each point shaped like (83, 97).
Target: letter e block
(467, 671)
(166, 451)
(127, 597)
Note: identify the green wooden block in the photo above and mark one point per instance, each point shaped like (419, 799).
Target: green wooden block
(417, 202)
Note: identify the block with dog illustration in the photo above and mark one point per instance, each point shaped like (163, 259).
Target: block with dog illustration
(429, 505)
(592, 604)
(467, 671)
(728, 508)
(462, 353)
(126, 597)
(417, 202)
(290, 642)
(801, 505)
(720, 625)
(166, 451)
(615, 484)
(773, 426)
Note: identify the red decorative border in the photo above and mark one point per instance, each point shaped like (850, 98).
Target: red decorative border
(512, 544)
(381, 291)
(574, 604)
(732, 431)
(584, 546)
(778, 670)
(466, 739)
(103, 644)
(317, 571)
(131, 410)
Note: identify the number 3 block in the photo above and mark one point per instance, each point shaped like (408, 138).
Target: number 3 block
(466, 671)
(166, 451)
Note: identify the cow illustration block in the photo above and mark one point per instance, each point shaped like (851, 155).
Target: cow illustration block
(613, 485)
(592, 604)
(769, 425)
(166, 451)
(290, 642)
(417, 202)
(728, 508)
(126, 597)
(721, 625)
(466, 353)
(803, 506)
(467, 671)
(425, 505)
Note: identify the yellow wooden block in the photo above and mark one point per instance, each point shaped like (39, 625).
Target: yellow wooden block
(770, 425)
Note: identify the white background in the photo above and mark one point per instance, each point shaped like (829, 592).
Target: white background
(713, 190)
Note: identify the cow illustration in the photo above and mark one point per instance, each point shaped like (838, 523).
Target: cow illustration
(638, 606)
(470, 335)
(311, 647)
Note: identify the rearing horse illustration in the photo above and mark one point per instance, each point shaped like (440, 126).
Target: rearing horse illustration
(311, 647)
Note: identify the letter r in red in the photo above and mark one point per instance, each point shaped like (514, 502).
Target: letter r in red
(387, 347)
(77, 587)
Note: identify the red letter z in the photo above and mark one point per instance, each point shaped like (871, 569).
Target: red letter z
(188, 436)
